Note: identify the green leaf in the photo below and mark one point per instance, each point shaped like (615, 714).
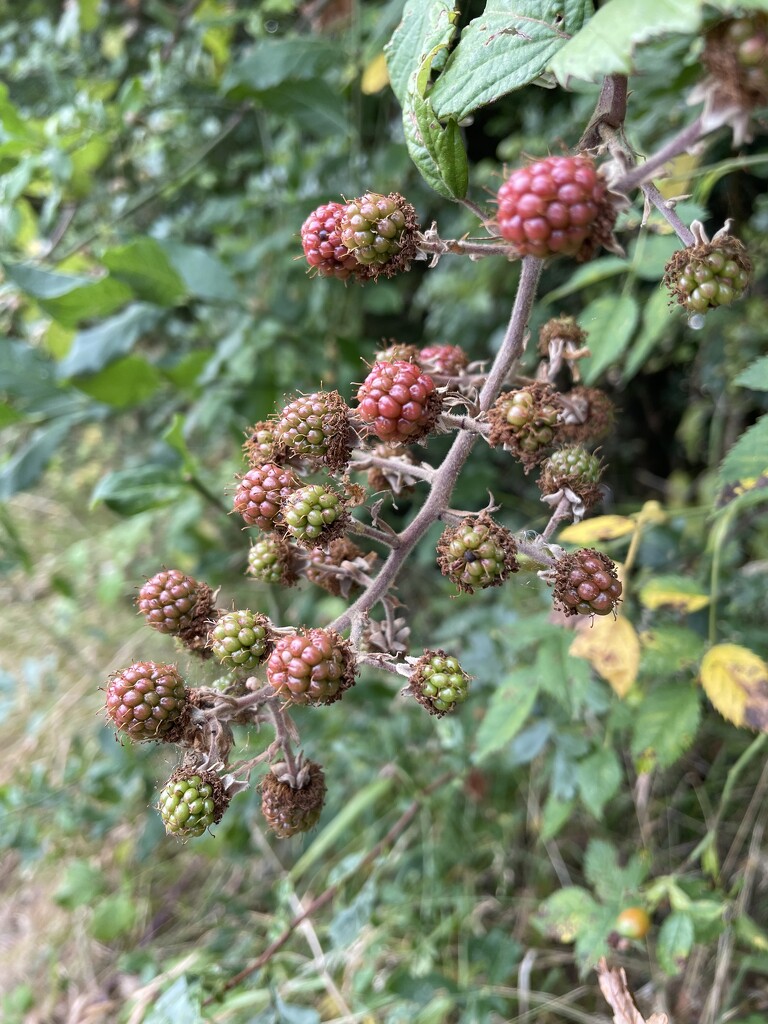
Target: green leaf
(124, 383)
(144, 265)
(665, 724)
(591, 273)
(204, 275)
(131, 491)
(507, 47)
(611, 882)
(748, 458)
(606, 43)
(113, 916)
(82, 883)
(598, 778)
(675, 942)
(97, 347)
(42, 284)
(427, 27)
(610, 322)
(25, 467)
(174, 437)
(274, 61)
(755, 376)
(668, 651)
(566, 913)
(507, 712)
(554, 815)
(657, 318)
(438, 152)
(66, 298)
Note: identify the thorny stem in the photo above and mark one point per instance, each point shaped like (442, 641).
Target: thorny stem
(480, 214)
(445, 479)
(464, 247)
(682, 230)
(391, 540)
(677, 144)
(447, 419)
(561, 513)
(365, 460)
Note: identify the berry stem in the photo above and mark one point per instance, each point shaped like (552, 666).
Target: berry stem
(682, 230)
(282, 734)
(452, 422)
(560, 515)
(480, 214)
(678, 144)
(366, 460)
(446, 476)
(391, 540)
(463, 247)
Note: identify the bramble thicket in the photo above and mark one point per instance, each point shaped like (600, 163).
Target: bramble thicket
(414, 355)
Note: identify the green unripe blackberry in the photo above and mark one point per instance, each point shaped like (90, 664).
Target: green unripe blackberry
(575, 469)
(378, 230)
(290, 810)
(477, 553)
(439, 683)
(586, 583)
(191, 802)
(271, 559)
(703, 277)
(316, 427)
(262, 445)
(314, 514)
(525, 422)
(241, 639)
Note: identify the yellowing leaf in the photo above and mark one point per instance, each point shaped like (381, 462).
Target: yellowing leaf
(612, 648)
(600, 529)
(736, 681)
(375, 76)
(673, 591)
(677, 180)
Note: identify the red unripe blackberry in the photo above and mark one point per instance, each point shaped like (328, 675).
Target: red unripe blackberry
(550, 206)
(316, 427)
(586, 583)
(446, 360)
(289, 809)
(398, 401)
(477, 553)
(439, 683)
(172, 602)
(323, 248)
(260, 493)
(633, 923)
(146, 700)
(192, 801)
(311, 666)
(241, 639)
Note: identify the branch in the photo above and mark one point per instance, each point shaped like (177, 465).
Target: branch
(678, 144)
(682, 230)
(610, 111)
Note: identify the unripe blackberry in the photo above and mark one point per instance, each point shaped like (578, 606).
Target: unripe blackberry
(550, 206)
(525, 422)
(146, 701)
(379, 230)
(398, 402)
(260, 493)
(290, 809)
(586, 583)
(314, 514)
(262, 445)
(311, 666)
(445, 360)
(324, 250)
(316, 427)
(705, 276)
(272, 559)
(564, 329)
(575, 469)
(735, 53)
(396, 350)
(174, 603)
(477, 553)
(241, 639)
(339, 551)
(192, 801)
(438, 682)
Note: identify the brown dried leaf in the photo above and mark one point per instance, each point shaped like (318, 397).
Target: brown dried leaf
(613, 985)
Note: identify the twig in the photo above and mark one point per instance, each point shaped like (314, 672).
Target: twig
(480, 214)
(610, 111)
(561, 513)
(391, 540)
(325, 897)
(678, 144)
(682, 230)
(448, 419)
(367, 459)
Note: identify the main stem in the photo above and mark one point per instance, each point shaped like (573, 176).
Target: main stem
(446, 476)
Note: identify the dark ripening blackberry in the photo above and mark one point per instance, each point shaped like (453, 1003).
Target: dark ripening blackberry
(311, 666)
(586, 583)
(398, 402)
(439, 683)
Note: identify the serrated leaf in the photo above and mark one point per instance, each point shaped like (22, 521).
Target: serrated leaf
(605, 45)
(566, 913)
(507, 47)
(654, 740)
(610, 322)
(602, 528)
(131, 491)
(755, 375)
(677, 592)
(669, 650)
(598, 778)
(271, 62)
(97, 347)
(144, 265)
(124, 383)
(611, 882)
(736, 681)
(507, 712)
(427, 27)
(612, 648)
(748, 458)
(675, 942)
(437, 151)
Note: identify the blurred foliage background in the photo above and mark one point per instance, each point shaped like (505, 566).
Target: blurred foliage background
(157, 160)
